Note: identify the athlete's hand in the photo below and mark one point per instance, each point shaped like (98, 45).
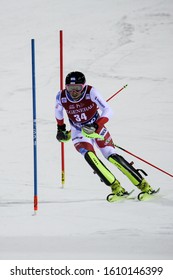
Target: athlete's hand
(62, 134)
(90, 128)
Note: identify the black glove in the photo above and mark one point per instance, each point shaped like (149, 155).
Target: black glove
(90, 128)
(62, 134)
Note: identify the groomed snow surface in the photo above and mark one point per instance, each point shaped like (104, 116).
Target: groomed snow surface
(114, 43)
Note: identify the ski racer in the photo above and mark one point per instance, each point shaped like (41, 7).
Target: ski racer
(81, 103)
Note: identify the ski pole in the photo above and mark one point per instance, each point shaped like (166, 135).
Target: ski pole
(97, 136)
(132, 153)
(116, 93)
(147, 162)
(107, 101)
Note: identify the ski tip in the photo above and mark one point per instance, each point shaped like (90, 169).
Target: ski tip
(142, 196)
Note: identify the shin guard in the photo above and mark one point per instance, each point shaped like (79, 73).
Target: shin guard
(126, 168)
(100, 169)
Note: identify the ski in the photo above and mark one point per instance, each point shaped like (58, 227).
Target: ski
(117, 198)
(142, 196)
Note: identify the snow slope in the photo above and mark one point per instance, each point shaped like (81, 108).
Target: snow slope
(114, 43)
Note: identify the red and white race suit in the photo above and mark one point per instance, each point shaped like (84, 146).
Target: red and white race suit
(86, 111)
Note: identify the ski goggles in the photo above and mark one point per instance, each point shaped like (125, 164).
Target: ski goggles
(75, 87)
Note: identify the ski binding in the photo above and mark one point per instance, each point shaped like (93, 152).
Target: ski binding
(142, 196)
(115, 198)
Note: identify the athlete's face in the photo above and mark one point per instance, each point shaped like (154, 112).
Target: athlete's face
(75, 90)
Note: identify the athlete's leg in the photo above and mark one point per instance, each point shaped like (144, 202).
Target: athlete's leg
(85, 147)
(108, 150)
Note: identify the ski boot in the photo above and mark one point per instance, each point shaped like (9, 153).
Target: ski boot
(118, 192)
(145, 187)
(118, 189)
(146, 191)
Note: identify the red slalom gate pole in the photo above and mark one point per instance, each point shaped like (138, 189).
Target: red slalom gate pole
(61, 88)
(147, 162)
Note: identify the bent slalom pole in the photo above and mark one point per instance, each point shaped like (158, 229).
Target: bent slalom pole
(34, 124)
(147, 162)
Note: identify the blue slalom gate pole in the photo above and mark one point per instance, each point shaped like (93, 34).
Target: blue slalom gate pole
(34, 125)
